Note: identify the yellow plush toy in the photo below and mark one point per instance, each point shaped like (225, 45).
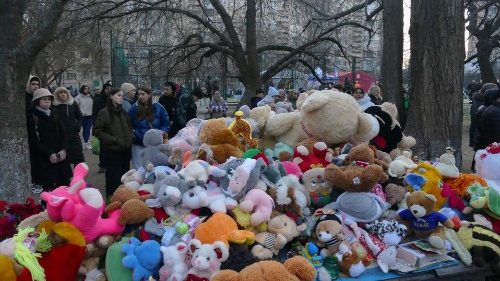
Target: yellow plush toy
(242, 128)
(427, 178)
(243, 219)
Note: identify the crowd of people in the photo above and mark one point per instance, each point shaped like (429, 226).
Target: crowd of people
(117, 117)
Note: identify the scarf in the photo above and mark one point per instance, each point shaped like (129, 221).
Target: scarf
(45, 111)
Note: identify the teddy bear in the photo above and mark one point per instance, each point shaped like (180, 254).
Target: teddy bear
(281, 229)
(155, 152)
(198, 171)
(132, 206)
(446, 164)
(362, 173)
(421, 218)
(260, 204)
(209, 195)
(329, 232)
(206, 259)
(218, 142)
(174, 265)
(143, 258)
(319, 157)
(294, 269)
(319, 188)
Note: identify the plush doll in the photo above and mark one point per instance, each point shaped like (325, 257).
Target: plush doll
(82, 208)
(133, 179)
(446, 164)
(93, 253)
(155, 152)
(167, 193)
(421, 218)
(359, 206)
(206, 259)
(400, 165)
(488, 164)
(143, 258)
(362, 173)
(209, 196)
(390, 232)
(260, 204)
(351, 263)
(318, 187)
(243, 219)
(290, 195)
(427, 178)
(242, 128)
(482, 243)
(319, 157)
(198, 171)
(221, 227)
(187, 138)
(329, 232)
(294, 269)
(281, 229)
(485, 198)
(174, 265)
(131, 204)
(218, 143)
(241, 176)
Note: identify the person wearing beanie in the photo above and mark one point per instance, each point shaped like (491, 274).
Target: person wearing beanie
(145, 115)
(490, 120)
(32, 85)
(270, 99)
(477, 101)
(71, 118)
(114, 131)
(129, 92)
(48, 146)
(100, 102)
(85, 101)
(363, 99)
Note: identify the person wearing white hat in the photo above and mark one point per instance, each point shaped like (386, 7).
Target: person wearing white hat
(129, 92)
(49, 166)
(271, 98)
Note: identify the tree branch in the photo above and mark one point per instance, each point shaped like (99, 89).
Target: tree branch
(470, 58)
(370, 16)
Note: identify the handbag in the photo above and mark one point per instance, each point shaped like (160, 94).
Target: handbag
(96, 145)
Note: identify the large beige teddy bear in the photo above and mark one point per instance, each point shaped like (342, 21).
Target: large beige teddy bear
(329, 116)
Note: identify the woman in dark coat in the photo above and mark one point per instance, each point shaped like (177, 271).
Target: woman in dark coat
(71, 118)
(48, 147)
(112, 127)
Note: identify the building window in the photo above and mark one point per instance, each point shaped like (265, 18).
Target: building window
(71, 76)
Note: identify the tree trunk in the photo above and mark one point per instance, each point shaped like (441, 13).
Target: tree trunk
(484, 51)
(437, 55)
(392, 56)
(14, 72)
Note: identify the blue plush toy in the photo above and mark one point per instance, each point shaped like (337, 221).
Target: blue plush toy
(143, 258)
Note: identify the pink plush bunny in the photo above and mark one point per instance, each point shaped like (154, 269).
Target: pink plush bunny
(260, 203)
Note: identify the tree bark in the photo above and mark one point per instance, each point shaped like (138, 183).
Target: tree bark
(16, 61)
(484, 50)
(392, 56)
(437, 55)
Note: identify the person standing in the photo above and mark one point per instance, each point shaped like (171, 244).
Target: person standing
(32, 85)
(477, 101)
(145, 115)
(128, 96)
(48, 147)
(185, 109)
(218, 106)
(490, 121)
(112, 127)
(375, 95)
(202, 103)
(270, 99)
(85, 101)
(100, 102)
(259, 94)
(362, 99)
(167, 100)
(71, 118)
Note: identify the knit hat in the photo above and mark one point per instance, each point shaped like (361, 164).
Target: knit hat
(127, 88)
(272, 92)
(40, 93)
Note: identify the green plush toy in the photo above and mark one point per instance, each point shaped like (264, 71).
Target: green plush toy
(115, 271)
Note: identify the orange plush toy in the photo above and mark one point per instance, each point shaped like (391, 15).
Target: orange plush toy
(218, 142)
(221, 227)
(242, 128)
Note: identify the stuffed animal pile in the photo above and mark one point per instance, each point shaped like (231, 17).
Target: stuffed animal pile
(302, 195)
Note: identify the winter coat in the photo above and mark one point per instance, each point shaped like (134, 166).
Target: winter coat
(85, 103)
(477, 101)
(219, 108)
(160, 121)
(254, 101)
(113, 129)
(100, 102)
(168, 102)
(185, 109)
(28, 96)
(267, 100)
(46, 137)
(375, 100)
(127, 104)
(202, 106)
(71, 119)
(490, 124)
(365, 102)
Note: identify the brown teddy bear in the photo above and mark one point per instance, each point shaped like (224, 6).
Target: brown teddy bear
(361, 174)
(133, 208)
(421, 218)
(329, 233)
(218, 142)
(294, 269)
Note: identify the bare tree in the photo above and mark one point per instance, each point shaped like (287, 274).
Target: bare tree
(437, 55)
(237, 39)
(484, 24)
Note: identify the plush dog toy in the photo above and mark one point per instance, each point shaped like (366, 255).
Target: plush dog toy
(421, 218)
